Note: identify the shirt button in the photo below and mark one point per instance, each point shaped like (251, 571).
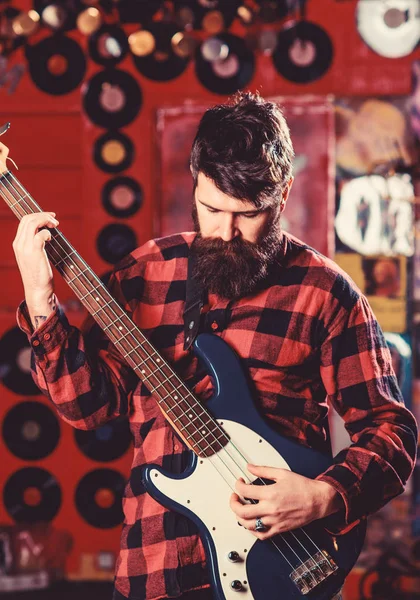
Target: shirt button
(35, 343)
(215, 325)
(176, 447)
(47, 336)
(191, 325)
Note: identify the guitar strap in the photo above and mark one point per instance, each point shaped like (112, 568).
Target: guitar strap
(195, 298)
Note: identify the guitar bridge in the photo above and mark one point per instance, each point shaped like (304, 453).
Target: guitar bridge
(313, 571)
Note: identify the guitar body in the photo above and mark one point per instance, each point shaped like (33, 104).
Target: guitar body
(265, 570)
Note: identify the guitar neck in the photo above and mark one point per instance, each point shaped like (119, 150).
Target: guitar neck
(185, 413)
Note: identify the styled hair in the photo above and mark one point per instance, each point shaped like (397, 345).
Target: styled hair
(244, 147)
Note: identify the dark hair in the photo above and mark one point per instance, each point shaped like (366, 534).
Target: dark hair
(244, 147)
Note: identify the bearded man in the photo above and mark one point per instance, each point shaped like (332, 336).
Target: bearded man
(300, 326)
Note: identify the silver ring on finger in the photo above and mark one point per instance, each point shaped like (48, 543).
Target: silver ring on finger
(259, 525)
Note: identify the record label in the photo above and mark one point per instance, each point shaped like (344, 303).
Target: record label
(31, 495)
(57, 64)
(15, 357)
(98, 498)
(112, 98)
(163, 63)
(31, 430)
(106, 443)
(304, 52)
(230, 73)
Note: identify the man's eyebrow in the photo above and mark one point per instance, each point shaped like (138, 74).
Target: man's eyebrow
(245, 212)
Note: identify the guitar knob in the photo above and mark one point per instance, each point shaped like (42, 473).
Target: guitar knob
(233, 556)
(236, 585)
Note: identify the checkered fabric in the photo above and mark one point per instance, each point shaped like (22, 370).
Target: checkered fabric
(310, 334)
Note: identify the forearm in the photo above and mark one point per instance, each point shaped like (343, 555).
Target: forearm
(86, 382)
(40, 308)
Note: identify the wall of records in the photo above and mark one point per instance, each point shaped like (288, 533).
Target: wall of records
(103, 98)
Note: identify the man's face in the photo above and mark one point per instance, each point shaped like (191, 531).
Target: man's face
(221, 216)
(236, 243)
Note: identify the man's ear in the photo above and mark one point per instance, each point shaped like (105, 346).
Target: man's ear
(285, 193)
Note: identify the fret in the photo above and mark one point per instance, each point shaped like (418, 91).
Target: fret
(175, 390)
(101, 307)
(132, 350)
(92, 292)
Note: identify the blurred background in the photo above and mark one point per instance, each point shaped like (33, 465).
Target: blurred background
(104, 97)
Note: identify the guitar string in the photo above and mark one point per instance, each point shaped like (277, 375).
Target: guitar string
(20, 198)
(157, 368)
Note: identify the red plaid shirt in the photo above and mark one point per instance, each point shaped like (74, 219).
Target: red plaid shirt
(310, 335)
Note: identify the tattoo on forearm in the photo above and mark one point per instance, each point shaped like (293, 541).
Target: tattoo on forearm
(38, 320)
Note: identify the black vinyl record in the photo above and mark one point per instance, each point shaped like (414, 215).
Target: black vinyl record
(201, 8)
(31, 430)
(113, 152)
(209, 73)
(122, 197)
(15, 362)
(122, 104)
(162, 64)
(116, 241)
(32, 495)
(108, 45)
(108, 483)
(106, 443)
(137, 11)
(70, 11)
(57, 64)
(315, 48)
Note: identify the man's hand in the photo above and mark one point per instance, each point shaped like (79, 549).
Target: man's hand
(290, 502)
(33, 263)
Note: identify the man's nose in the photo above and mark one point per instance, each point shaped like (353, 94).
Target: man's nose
(228, 229)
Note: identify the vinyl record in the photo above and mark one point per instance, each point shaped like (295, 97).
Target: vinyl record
(15, 363)
(116, 241)
(31, 430)
(122, 197)
(392, 28)
(113, 152)
(112, 98)
(163, 63)
(57, 64)
(31, 495)
(98, 498)
(229, 74)
(106, 443)
(137, 11)
(59, 16)
(304, 52)
(272, 10)
(200, 10)
(108, 45)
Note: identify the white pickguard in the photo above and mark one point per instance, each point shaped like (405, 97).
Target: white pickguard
(207, 491)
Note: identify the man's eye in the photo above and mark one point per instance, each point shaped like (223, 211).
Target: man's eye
(251, 216)
(212, 210)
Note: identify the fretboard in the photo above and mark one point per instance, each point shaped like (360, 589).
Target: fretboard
(186, 414)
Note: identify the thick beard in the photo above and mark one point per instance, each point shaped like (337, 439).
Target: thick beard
(236, 268)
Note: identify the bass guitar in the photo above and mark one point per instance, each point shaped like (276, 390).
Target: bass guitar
(224, 436)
